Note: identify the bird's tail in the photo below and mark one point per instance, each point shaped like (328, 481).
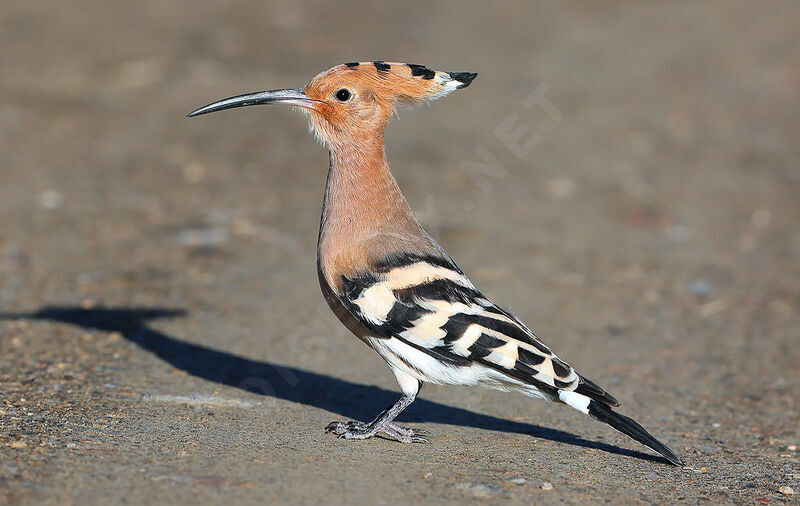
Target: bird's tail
(589, 398)
(629, 427)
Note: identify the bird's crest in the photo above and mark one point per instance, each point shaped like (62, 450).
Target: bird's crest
(395, 82)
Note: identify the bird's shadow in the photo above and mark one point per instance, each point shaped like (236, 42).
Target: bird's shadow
(349, 400)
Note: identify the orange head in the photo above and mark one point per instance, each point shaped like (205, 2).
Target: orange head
(351, 103)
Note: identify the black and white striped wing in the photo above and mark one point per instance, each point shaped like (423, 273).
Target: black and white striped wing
(429, 304)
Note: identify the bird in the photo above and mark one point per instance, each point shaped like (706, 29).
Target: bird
(391, 284)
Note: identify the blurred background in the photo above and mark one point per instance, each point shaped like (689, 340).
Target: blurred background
(623, 176)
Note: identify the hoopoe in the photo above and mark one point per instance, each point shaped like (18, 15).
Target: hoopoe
(390, 283)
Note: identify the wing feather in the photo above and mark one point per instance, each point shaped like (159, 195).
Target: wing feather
(429, 304)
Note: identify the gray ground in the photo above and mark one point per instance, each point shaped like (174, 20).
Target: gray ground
(163, 337)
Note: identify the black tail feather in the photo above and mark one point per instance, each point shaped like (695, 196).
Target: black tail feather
(593, 391)
(630, 428)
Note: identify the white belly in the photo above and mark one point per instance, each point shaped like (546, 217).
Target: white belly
(410, 361)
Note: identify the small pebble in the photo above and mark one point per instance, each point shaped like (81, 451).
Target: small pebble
(678, 233)
(761, 219)
(18, 444)
(786, 490)
(561, 188)
(792, 448)
(202, 237)
(194, 172)
(480, 489)
(50, 199)
(517, 481)
(546, 486)
(715, 425)
(699, 287)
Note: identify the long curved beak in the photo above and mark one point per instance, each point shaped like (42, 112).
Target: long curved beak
(291, 96)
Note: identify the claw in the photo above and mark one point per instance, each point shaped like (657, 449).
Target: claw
(406, 434)
(408, 430)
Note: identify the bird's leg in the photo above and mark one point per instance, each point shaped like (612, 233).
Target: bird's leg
(383, 423)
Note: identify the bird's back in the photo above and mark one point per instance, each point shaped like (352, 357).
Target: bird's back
(427, 303)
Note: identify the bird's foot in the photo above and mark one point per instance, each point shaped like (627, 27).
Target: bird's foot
(361, 430)
(350, 430)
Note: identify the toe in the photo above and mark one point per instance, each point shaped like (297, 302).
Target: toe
(335, 427)
(410, 431)
(406, 435)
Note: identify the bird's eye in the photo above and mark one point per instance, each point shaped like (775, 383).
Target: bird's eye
(343, 95)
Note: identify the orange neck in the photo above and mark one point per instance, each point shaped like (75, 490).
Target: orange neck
(364, 214)
(361, 196)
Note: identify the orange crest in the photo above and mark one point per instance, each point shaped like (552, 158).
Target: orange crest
(355, 99)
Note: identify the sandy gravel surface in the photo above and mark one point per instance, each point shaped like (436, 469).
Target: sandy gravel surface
(163, 338)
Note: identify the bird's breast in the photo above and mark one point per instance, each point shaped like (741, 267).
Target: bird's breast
(339, 310)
